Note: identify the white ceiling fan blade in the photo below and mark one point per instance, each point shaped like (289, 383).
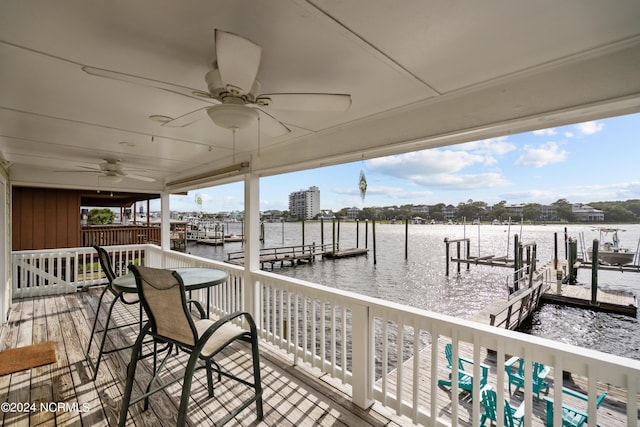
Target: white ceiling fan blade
(238, 61)
(139, 177)
(306, 101)
(187, 119)
(143, 81)
(272, 126)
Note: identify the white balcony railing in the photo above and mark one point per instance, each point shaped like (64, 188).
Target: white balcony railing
(384, 352)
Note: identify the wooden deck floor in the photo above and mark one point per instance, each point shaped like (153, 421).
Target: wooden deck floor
(293, 396)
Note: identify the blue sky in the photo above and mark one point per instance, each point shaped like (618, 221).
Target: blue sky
(586, 162)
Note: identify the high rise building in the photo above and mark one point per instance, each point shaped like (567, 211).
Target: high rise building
(305, 204)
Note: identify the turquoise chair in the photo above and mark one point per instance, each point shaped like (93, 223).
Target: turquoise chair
(512, 417)
(515, 370)
(571, 417)
(465, 376)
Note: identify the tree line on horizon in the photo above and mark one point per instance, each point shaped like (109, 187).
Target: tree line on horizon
(627, 211)
(614, 211)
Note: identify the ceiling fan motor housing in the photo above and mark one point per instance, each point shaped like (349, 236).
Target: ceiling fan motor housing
(218, 90)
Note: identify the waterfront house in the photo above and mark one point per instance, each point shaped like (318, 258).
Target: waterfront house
(122, 98)
(450, 213)
(587, 213)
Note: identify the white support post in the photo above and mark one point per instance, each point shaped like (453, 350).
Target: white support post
(252, 243)
(361, 348)
(165, 232)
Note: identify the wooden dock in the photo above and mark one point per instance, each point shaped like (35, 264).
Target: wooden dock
(511, 311)
(490, 260)
(621, 268)
(580, 296)
(291, 255)
(217, 241)
(294, 255)
(346, 253)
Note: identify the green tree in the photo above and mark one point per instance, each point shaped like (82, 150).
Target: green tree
(531, 211)
(564, 210)
(499, 212)
(469, 210)
(100, 216)
(435, 212)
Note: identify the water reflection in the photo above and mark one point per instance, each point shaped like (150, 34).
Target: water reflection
(420, 280)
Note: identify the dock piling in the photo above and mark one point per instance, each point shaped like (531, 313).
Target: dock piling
(406, 238)
(333, 230)
(594, 273)
(366, 233)
(373, 231)
(446, 255)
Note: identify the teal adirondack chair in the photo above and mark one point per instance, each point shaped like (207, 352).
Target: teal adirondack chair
(571, 417)
(465, 376)
(515, 370)
(512, 416)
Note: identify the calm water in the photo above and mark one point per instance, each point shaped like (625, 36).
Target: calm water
(420, 280)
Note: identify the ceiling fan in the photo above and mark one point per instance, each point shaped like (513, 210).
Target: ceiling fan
(235, 91)
(112, 170)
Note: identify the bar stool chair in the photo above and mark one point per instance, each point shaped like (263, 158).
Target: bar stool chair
(123, 297)
(163, 297)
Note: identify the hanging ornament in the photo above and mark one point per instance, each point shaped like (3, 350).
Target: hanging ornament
(199, 200)
(362, 185)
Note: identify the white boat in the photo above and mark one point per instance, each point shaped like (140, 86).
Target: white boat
(611, 252)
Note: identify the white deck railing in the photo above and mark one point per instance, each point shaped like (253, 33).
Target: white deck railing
(359, 340)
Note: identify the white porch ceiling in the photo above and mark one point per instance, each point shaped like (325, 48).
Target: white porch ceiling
(421, 73)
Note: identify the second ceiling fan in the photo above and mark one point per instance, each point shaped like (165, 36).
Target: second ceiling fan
(234, 90)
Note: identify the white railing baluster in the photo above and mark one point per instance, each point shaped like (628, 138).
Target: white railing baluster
(292, 315)
(399, 365)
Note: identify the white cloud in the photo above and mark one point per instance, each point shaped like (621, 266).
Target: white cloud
(589, 128)
(488, 147)
(422, 163)
(543, 155)
(532, 196)
(463, 181)
(545, 132)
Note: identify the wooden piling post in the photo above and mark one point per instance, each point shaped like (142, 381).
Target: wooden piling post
(406, 238)
(357, 233)
(594, 272)
(469, 253)
(516, 264)
(572, 256)
(333, 230)
(366, 233)
(458, 255)
(338, 245)
(446, 256)
(555, 251)
(303, 234)
(322, 232)
(373, 231)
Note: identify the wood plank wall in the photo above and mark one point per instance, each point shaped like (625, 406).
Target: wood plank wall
(45, 218)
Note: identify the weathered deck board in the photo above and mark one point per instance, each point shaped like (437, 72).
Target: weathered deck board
(293, 395)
